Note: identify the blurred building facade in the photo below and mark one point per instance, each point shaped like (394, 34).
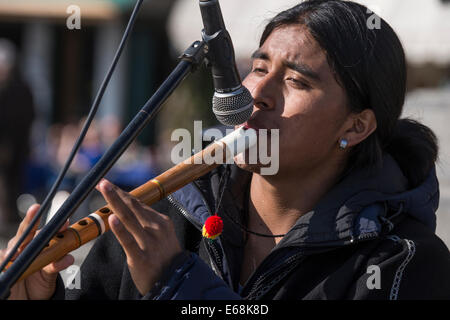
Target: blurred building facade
(422, 26)
(64, 64)
(65, 67)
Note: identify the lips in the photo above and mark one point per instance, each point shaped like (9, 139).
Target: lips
(256, 126)
(252, 124)
(247, 126)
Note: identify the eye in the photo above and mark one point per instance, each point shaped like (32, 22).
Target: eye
(259, 70)
(297, 83)
(259, 67)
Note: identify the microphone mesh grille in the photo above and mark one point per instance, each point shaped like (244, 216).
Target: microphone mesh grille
(233, 108)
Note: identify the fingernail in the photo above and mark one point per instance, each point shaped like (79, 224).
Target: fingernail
(106, 185)
(69, 259)
(114, 220)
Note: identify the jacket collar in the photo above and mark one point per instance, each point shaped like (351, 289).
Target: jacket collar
(355, 209)
(361, 204)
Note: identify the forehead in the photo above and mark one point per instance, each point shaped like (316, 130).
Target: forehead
(295, 43)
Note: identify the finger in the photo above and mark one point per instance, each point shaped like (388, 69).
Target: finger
(31, 212)
(145, 215)
(2, 255)
(59, 265)
(148, 219)
(113, 196)
(125, 238)
(64, 226)
(135, 205)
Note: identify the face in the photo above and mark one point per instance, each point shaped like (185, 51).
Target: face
(295, 91)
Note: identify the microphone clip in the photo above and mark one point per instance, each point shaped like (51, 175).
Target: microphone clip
(195, 54)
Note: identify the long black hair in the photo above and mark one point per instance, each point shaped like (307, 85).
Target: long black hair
(369, 63)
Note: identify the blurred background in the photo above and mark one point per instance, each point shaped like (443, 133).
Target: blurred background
(49, 75)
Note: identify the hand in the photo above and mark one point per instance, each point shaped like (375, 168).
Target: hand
(147, 236)
(41, 284)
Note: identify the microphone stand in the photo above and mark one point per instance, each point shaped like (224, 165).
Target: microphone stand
(189, 61)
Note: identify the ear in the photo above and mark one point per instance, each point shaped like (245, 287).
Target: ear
(360, 126)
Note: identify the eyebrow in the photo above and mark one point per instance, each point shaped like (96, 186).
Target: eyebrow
(299, 67)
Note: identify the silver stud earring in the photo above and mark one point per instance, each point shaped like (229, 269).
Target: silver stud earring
(343, 143)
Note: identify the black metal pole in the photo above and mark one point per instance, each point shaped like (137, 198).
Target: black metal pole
(190, 59)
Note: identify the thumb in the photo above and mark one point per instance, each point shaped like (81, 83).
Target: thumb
(50, 272)
(57, 266)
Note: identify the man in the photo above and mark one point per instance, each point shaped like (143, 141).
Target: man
(349, 214)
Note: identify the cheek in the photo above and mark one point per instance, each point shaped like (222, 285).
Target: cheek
(312, 126)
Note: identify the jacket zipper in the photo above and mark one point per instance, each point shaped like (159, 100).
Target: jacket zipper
(184, 212)
(212, 250)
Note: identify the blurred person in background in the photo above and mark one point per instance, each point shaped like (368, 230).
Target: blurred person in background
(136, 166)
(16, 118)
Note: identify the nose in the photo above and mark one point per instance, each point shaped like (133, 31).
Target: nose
(264, 92)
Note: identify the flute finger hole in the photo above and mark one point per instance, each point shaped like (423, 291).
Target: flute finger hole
(105, 210)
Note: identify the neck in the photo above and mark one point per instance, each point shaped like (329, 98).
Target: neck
(276, 202)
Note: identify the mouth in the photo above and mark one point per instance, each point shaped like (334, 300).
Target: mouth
(258, 128)
(246, 126)
(250, 124)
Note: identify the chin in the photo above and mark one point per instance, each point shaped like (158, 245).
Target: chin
(242, 161)
(257, 167)
(254, 168)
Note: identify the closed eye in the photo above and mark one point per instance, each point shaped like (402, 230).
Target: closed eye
(299, 83)
(259, 70)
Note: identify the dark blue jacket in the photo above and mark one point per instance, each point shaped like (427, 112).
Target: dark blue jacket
(370, 237)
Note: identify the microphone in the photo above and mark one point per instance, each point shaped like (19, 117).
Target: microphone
(232, 102)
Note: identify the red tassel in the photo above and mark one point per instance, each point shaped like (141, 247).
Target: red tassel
(213, 227)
